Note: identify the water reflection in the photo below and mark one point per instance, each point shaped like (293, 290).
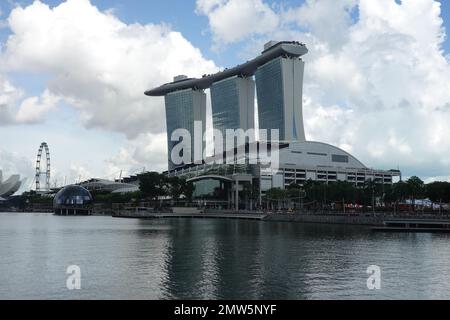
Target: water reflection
(257, 260)
(214, 259)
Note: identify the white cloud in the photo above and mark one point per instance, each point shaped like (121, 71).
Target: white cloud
(98, 64)
(234, 20)
(33, 109)
(9, 96)
(206, 6)
(78, 173)
(438, 178)
(419, 19)
(327, 20)
(11, 163)
(146, 152)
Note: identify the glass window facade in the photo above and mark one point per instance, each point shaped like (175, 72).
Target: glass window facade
(269, 84)
(181, 110)
(225, 105)
(339, 158)
(233, 105)
(317, 154)
(211, 189)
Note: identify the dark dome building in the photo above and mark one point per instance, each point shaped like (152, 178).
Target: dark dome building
(73, 200)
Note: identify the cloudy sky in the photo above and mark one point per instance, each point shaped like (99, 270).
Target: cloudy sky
(73, 73)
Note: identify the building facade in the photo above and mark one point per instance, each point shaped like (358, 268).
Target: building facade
(279, 84)
(316, 161)
(299, 162)
(233, 92)
(183, 109)
(278, 73)
(233, 105)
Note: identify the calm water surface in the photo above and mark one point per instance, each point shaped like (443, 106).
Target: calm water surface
(214, 259)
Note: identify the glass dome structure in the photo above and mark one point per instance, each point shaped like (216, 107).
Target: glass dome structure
(73, 200)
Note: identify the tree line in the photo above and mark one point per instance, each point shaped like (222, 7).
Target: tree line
(315, 194)
(153, 186)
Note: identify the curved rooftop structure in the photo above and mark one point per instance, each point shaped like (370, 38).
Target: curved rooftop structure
(272, 51)
(9, 186)
(318, 154)
(102, 185)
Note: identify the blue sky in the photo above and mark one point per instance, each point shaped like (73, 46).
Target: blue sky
(331, 100)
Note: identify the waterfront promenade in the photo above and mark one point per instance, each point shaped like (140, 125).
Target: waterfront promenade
(329, 218)
(378, 219)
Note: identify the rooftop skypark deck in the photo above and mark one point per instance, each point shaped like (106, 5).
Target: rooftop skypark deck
(272, 50)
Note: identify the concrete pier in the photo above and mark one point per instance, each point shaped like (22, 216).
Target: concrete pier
(343, 219)
(152, 215)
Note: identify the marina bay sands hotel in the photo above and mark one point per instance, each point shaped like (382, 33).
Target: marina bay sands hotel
(276, 77)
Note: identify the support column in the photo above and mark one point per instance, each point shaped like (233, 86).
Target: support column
(260, 193)
(237, 195)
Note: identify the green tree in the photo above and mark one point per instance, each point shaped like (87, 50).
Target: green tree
(401, 190)
(153, 184)
(315, 192)
(175, 187)
(415, 188)
(188, 190)
(341, 192)
(438, 191)
(295, 193)
(275, 197)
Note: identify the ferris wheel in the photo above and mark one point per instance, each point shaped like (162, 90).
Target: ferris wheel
(46, 172)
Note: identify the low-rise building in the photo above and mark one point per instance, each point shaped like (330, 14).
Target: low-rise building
(297, 163)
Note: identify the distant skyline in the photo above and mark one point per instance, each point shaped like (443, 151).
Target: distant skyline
(73, 73)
